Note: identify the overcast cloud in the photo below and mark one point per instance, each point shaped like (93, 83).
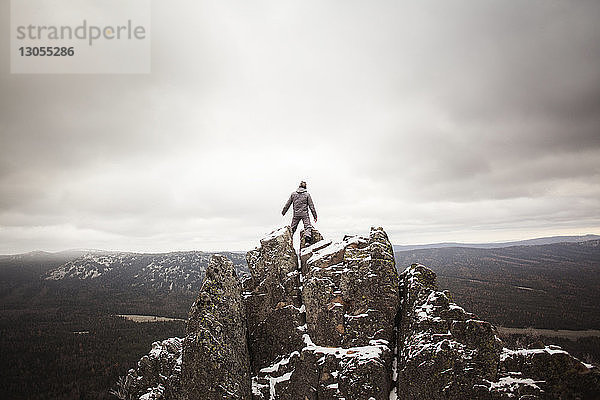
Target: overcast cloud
(440, 121)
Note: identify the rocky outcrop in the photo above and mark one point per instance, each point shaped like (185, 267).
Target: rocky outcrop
(548, 372)
(351, 290)
(157, 375)
(215, 352)
(447, 353)
(349, 302)
(338, 322)
(444, 352)
(273, 300)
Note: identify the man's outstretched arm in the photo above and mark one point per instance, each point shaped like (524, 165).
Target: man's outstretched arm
(287, 206)
(312, 208)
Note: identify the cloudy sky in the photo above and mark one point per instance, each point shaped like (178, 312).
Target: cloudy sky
(469, 121)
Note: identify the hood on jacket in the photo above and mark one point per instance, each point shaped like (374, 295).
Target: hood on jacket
(301, 190)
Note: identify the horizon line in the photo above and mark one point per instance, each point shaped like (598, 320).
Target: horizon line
(459, 244)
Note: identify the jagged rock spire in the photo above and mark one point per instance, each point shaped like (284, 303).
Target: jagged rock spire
(215, 353)
(445, 352)
(273, 299)
(351, 291)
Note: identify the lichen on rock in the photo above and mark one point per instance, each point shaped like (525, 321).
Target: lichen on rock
(215, 353)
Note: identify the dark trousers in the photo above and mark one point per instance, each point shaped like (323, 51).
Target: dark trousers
(305, 220)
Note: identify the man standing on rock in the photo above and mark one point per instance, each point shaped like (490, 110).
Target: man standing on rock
(302, 202)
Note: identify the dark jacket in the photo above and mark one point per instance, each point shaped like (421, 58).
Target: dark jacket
(302, 202)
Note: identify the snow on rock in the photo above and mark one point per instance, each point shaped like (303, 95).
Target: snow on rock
(340, 323)
(157, 376)
(556, 372)
(350, 291)
(274, 234)
(448, 353)
(342, 335)
(445, 352)
(508, 386)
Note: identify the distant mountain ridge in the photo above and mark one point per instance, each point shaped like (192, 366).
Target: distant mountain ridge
(545, 286)
(181, 271)
(527, 242)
